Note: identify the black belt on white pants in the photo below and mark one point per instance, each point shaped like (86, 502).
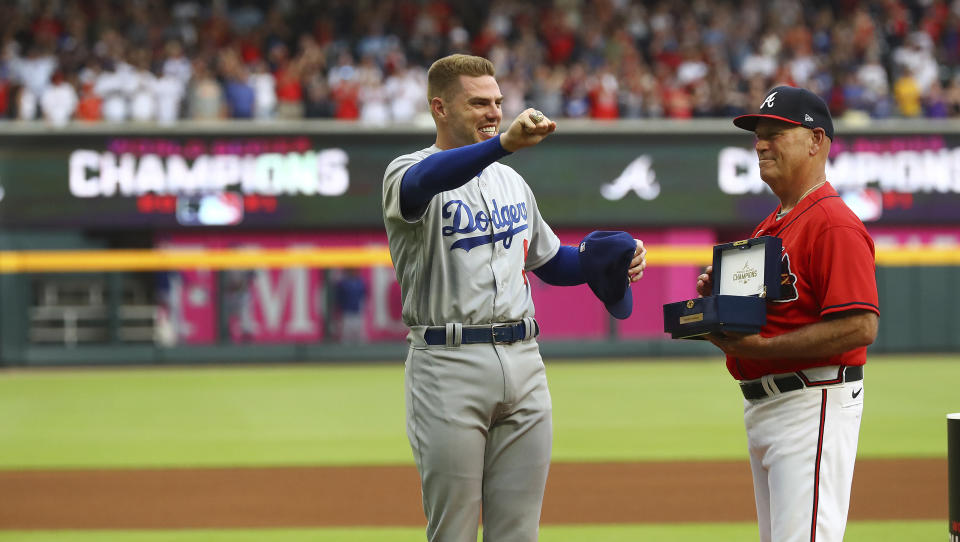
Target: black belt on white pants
(457, 334)
(754, 389)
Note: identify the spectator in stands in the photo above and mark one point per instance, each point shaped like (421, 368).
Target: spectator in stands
(953, 96)
(351, 295)
(111, 85)
(27, 104)
(622, 59)
(141, 90)
(935, 104)
(916, 57)
(59, 100)
(237, 91)
(318, 103)
(176, 64)
(289, 87)
(238, 304)
(35, 70)
(168, 90)
(264, 90)
(204, 95)
(405, 91)
(908, 95)
(89, 104)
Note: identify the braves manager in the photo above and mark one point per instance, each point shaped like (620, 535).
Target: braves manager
(463, 231)
(802, 375)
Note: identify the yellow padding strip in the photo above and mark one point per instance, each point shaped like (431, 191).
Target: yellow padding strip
(45, 261)
(164, 260)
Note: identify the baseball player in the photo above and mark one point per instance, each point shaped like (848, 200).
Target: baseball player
(463, 231)
(802, 375)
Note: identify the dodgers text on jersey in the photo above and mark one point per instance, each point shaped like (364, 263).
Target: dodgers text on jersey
(464, 221)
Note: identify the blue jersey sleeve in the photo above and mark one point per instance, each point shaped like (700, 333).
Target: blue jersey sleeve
(563, 269)
(444, 171)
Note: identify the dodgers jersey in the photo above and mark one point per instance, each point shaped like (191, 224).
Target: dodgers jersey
(465, 259)
(827, 266)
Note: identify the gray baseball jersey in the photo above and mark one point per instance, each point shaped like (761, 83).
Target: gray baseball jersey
(465, 259)
(478, 415)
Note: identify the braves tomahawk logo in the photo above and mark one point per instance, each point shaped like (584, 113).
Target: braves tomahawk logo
(788, 281)
(464, 221)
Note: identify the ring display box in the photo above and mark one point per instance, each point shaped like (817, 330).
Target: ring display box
(745, 275)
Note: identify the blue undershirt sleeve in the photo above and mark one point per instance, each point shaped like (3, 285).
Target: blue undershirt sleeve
(444, 171)
(563, 269)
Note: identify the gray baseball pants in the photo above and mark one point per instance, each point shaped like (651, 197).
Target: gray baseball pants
(479, 423)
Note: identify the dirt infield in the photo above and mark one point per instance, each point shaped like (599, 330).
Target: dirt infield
(351, 496)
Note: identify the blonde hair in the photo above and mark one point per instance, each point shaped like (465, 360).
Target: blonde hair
(443, 79)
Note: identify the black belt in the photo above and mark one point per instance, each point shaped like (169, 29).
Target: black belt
(493, 333)
(753, 389)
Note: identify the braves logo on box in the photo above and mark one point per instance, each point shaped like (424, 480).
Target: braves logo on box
(465, 221)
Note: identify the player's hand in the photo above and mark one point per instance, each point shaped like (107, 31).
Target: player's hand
(528, 129)
(705, 282)
(737, 344)
(638, 263)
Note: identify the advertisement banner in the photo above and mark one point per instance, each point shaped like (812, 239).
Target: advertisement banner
(297, 305)
(318, 179)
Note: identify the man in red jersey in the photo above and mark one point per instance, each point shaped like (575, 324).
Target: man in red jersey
(802, 375)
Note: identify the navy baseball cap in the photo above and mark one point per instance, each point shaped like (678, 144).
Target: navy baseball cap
(794, 105)
(605, 259)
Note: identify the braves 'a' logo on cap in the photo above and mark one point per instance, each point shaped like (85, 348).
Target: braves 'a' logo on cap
(769, 101)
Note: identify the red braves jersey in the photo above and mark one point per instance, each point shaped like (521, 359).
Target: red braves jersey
(827, 267)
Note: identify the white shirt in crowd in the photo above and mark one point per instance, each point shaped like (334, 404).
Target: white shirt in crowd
(35, 72)
(143, 100)
(374, 108)
(406, 90)
(179, 67)
(758, 64)
(115, 87)
(26, 105)
(58, 103)
(264, 94)
(917, 57)
(168, 91)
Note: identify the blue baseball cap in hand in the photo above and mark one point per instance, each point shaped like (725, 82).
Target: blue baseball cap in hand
(605, 260)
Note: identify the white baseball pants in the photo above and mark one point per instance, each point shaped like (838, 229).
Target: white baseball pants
(803, 445)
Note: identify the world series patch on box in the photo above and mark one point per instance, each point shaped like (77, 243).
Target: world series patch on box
(745, 275)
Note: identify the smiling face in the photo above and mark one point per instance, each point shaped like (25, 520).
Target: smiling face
(783, 150)
(471, 114)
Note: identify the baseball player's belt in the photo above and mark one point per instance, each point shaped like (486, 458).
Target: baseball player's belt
(754, 389)
(489, 333)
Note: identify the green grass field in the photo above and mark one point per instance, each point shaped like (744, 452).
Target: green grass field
(339, 415)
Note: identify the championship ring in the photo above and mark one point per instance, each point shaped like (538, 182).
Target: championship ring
(536, 116)
(746, 274)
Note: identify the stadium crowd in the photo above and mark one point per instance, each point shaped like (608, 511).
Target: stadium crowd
(366, 60)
